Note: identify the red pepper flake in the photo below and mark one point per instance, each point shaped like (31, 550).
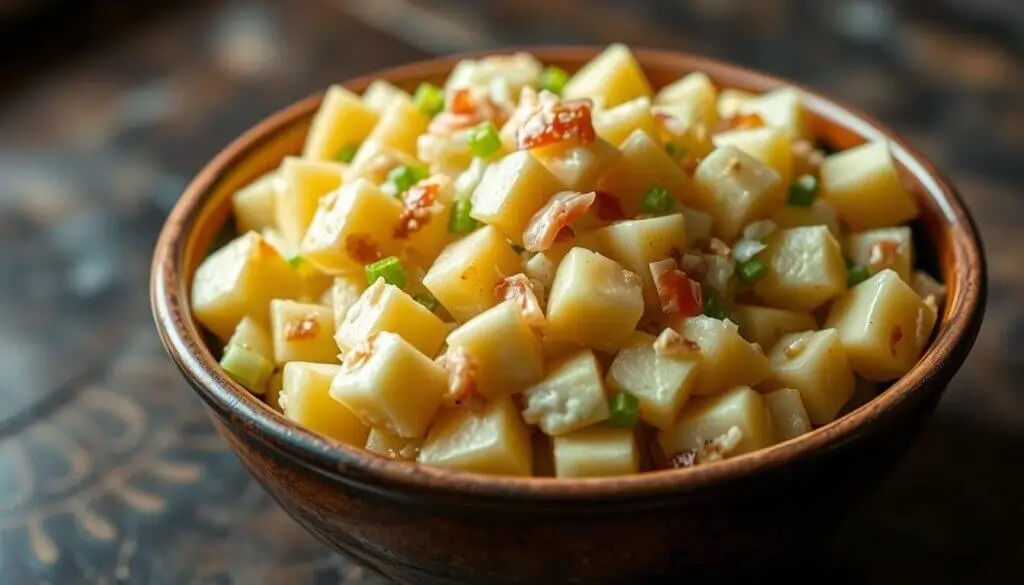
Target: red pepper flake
(894, 338)
(417, 210)
(559, 122)
(361, 248)
(608, 207)
(305, 328)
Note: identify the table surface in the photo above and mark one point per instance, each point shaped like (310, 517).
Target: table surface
(109, 472)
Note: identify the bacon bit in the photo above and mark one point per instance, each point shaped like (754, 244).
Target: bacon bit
(684, 459)
(559, 122)
(464, 111)
(608, 207)
(796, 348)
(678, 292)
(305, 328)
(462, 102)
(883, 254)
(670, 344)
(894, 338)
(362, 248)
(518, 288)
(418, 208)
(748, 121)
(462, 371)
(560, 211)
(694, 266)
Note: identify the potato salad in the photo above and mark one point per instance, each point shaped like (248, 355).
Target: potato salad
(531, 272)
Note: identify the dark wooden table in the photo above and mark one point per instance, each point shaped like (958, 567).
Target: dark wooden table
(109, 472)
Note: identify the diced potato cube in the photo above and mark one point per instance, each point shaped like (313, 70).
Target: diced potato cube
(464, 276)
(555, 350)
(238, 280)
(351, 229)
(390, 385)
(736, 189)
(505, 352)
(765, 325)
(312, 282)
(342, 120)
(379, 95)
(636, 243)
(882, 248)
(883, 325)
(925, 286)
(705, 419)
(305, 398)
(644, 164)
(448, 154)
(818, 213)
(862, 183)
(805, 269)
(616, 124)
(399, 126)
(387, 444)
(302, 332)
(493, 441)
(695, 98)
(511, 72)
(733, 101)
(541, 268)
(303, 183)
(593, 302)
(815, 364)
(611, 78)
(727, 359)
(771, 145)
(385, 307)
(577, 166)
(662, 384)
(596, 452)
(788, 413)
(343, 294)
(698, 225)
(512, 191)
(783, 108)
(253, 336)
(254, 205)
(571, 395)
(374, 160)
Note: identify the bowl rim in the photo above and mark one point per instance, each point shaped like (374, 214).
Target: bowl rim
(354, 466)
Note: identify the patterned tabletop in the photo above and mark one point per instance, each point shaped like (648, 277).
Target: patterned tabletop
(109, 471)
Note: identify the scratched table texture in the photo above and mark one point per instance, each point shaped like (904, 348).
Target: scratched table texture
(109, 470)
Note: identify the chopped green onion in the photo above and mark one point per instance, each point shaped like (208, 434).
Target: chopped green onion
(390, 269)
(675, 151)
(427, 300)
(461, 222)
(295, 262)
(713, 306)
(624, 410)
(347, 152)
(855, 273)
(429, 99)
(554, 79)
(483, 139)
(657, 201)
(405, 176)
(752, 270)
(246, 367)
(803, 191)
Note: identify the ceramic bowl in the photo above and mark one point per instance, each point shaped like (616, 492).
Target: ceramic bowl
(425, 525)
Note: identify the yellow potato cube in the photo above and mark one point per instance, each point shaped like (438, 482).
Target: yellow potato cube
(541, 267)
(577, 166)
(385, 307)
(351, 229)
(862, 183)
(399, 126)
(374, 160)
(644, 164)
(593, 302)
(736, 189)
(239, 280)
(254, 337)
(505, 353)
(511, 191)
(818, 213)
(694, 97)
(254, 205)
(814, 363)
(493, 441)
(698, 225)
(463, 277)
(771, 145)
(727, 359)
(705, 419)
(788, 413)
(765, 325)
(783, 108)
(883, 326)
(343, 294)
(636, 243)
(596, 452)
(302, 332)
(342, 120)
(305, 398)
(571, 395)
(391, 446)
(379, 95)
(616, 124)
(662, 384)
(611, 78)
(303, 183)
(805, 269)
(733, 101)
(882, 248)
(390, 385)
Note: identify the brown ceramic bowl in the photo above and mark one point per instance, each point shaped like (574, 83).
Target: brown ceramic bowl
(426, 525)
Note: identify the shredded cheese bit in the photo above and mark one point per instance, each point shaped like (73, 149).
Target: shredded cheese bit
(462, 373)
(795, 348)
(520, 289)
(360, 353)
(671, 345)
(305, 328)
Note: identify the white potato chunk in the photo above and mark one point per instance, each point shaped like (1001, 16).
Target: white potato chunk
(736, 189)
(636, 243)
(765, 325)
(806, 268)
(611, 78)
(569, 397)
(344, 293)
(862, 183)
(695, 98)
(883, 326)
(596, 452)
(661, 383)
(374, 160)
(305, 398)
(379, 95)
(253, 336)
(302, 332)
(644, 164)
(303, 183)
(788, 413)
(782, 107)
(493, 441)
(399, 126)
(617, 124)
(385, 307)
(254, 205)
(577, 166)
(511, 191)
(882, 248)
(342, 120)
(726, 359)
(733, 101)
(769, 144)
(815, 364)
(705, 419)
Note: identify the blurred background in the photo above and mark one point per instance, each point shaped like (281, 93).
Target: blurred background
(109, 473)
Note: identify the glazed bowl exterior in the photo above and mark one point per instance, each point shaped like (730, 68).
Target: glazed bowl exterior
(424, 525)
